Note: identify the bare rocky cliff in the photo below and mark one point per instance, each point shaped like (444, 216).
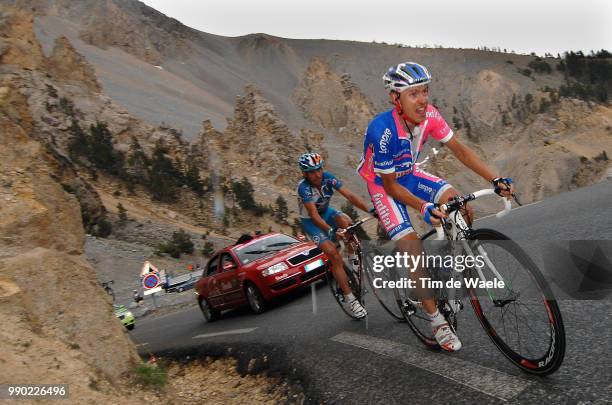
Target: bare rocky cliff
(69, 67)
(259, 145)
(332, 100)
(61, 325)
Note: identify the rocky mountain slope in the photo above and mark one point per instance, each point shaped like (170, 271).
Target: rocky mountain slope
(160, 70)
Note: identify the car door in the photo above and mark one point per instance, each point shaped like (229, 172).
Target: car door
(212, 293)
(229, 286)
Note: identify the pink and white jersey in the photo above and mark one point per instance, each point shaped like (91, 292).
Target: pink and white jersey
(388, 148)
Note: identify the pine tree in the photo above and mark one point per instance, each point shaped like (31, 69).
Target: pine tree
(77, 148)
(243, 191)
(123, 218)
(137, 161)
(162, 180)
(101, 151)
(282, 211)
(193, 180)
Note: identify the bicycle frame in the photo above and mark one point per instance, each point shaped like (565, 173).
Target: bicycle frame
(355, 244)
(456, 229)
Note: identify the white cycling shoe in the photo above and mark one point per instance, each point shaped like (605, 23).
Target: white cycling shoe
(446, 338)
(358, 310)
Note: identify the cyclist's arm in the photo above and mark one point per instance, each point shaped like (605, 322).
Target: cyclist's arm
(470, 159)
(311, 208)
(354, 199)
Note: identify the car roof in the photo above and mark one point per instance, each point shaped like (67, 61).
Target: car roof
(255, 239)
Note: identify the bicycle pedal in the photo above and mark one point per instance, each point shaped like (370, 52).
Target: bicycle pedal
(407, 309)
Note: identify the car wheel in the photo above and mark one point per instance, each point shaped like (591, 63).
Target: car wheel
(130, 327)
(181, 289)
(210, 314)
(256, 300)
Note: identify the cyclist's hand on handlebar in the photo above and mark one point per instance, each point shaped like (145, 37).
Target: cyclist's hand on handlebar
(432, 213)
(341, 233)
(503, 186)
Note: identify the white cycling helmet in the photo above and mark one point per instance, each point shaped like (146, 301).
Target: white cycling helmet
(405, 75)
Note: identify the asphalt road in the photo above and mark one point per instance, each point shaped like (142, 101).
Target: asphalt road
(337, 360)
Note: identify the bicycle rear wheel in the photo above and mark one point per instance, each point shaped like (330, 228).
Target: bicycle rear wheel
(522, 318)
(338, 293)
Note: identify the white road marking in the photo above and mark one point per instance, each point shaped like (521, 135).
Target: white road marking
(142, 344)
(488, 381)
(227, 332)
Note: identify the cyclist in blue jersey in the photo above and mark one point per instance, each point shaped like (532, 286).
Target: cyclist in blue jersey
(323, 223)
(392, 144)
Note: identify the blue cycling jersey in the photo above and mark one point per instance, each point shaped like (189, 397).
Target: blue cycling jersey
(309, 193)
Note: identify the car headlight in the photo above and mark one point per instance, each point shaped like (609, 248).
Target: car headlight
(277, 268)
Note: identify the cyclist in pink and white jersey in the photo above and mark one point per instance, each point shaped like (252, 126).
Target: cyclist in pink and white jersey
(393, 142)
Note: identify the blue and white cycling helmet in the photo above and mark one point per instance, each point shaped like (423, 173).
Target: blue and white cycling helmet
(310, 161)
(409, 74)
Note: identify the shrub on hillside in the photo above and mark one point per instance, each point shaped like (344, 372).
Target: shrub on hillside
(179, 243)
(540, 66)
(208, 249)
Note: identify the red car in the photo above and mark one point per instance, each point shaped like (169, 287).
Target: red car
(256, 271)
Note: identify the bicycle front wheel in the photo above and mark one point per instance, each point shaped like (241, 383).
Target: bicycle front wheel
(521, 317)
(337, 292)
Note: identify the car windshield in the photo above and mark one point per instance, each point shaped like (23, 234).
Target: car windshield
(263, 247)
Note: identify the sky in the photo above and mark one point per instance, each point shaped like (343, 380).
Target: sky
(524, 26)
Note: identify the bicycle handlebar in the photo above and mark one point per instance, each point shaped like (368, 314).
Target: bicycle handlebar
(507, 204)
(461, 200)
(358, 223)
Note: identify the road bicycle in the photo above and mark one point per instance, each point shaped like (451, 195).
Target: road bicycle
(521, 317)
(353, 269)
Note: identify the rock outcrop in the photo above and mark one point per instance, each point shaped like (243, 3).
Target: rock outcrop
(66, 65)
(61, 323)
(18, 44)
(332, 100)
(259, 144)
